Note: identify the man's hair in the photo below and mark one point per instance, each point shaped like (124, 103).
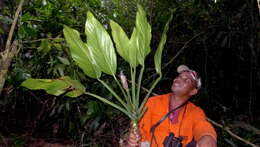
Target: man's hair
(195, 76)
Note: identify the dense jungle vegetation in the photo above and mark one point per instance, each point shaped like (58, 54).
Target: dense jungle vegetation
(218, 38)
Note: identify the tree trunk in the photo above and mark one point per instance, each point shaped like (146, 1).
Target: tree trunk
(10, 50)
(5, 61)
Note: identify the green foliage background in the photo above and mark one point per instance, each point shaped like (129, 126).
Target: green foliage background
(219, 40)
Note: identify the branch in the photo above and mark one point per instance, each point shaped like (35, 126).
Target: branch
(186, 44)
(247, 127)
(178, 53)
(182, 49)
(10, 35)
(10, 50)
(143, 88)
(38, 40)
(231, 133)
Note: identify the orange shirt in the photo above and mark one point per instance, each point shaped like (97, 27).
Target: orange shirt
(191, 121)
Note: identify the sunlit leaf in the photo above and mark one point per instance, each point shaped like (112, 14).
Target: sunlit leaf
(56, 87)
(101, 45)
(144, 35)
(81, 54)
(139, 46)
(76, 88)
(158, 53)
(121, 40)
(132, 50)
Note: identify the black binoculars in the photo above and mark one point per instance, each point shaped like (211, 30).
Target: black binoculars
(171, 141)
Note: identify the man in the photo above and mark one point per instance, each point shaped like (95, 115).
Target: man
(186, 121)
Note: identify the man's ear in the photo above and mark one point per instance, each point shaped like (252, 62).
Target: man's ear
(193, 91)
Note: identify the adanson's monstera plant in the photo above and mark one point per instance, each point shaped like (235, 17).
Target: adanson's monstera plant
(98, 55)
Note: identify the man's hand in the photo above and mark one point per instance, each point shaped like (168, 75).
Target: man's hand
(206, 141)
(133, 140)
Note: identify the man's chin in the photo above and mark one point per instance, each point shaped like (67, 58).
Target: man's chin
(175, 89)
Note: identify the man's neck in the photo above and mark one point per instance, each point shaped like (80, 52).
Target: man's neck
(178, 100)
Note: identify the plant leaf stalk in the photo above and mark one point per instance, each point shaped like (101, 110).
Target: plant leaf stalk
(114, 94)
(139, 85)
(110, 103)
(141, 108)
(133, 75)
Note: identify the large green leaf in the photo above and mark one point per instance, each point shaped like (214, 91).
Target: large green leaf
(121, 40)
(81, 53)
(132, 49)
(76, 88)
(144, 35)
(158, 53)
(71, 88)
(101, 45)
(135, 50)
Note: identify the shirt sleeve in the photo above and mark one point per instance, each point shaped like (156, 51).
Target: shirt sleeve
(145, 122)
(202, 127)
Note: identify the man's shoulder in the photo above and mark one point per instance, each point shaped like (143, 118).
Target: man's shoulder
(158, 104)
(194, 108)
(159, 98)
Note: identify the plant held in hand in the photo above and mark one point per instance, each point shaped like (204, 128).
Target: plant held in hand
(98, 55)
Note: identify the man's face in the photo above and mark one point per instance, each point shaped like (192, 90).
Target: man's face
(183, 84)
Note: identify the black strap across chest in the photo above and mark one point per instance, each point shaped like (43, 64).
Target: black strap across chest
(152, 129)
